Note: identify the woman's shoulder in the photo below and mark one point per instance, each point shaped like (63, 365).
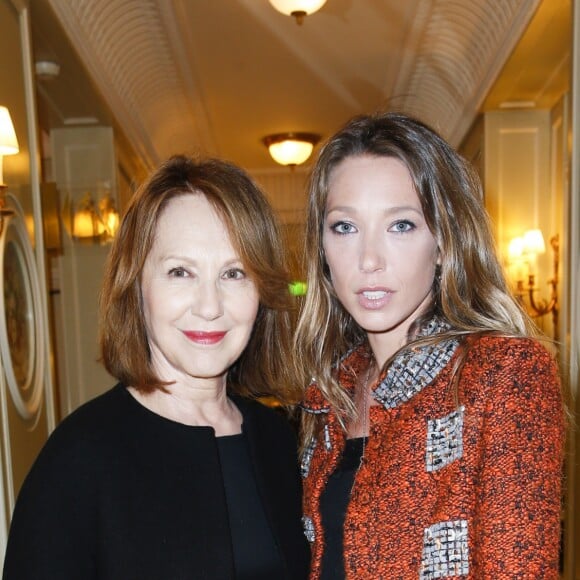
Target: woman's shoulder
(89, 424)
(511, 366)
(493, 348)
(78, 447)
(98, 412)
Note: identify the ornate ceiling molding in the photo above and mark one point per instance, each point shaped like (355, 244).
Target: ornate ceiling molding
(141, 61)
(462, 49)
(124, 45)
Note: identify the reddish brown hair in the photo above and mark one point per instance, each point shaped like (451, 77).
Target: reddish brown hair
(262, 368)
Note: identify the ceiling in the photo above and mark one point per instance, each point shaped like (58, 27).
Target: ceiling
(215, 76)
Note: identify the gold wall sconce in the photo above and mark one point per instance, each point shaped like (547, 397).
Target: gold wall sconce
(95, 222)
(291, 149)
(522, 260)
(8, 141)
(298, 9)
(8, 146)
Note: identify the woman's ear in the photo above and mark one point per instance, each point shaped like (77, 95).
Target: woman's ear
(438, 271)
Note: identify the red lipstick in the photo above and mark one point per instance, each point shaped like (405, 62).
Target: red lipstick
(201, 337)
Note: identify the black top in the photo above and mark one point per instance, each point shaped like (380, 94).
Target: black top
(333, 504)
(256, 556)
(120, 493)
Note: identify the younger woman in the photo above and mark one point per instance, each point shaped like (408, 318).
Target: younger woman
(433, 426)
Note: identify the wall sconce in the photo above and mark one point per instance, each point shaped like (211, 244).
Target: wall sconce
(8, 141)
(523, 251)
(8, 146)
(109, 216)
(95, 222)
(298, 8)
(291, 149)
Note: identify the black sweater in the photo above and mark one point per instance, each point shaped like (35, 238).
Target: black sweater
(119, 492)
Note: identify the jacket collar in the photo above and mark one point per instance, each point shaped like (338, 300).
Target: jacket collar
(409, 373)
(415, 368)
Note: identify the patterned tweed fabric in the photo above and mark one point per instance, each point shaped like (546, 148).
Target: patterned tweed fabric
(447, 491)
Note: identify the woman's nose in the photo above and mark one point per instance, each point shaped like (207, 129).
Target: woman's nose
(208, 303)
(372, 253)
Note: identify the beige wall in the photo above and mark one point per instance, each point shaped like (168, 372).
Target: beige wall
(518, 189)
(524, 159)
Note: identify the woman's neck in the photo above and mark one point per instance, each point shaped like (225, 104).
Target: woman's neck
(199, 406)
(384, 345)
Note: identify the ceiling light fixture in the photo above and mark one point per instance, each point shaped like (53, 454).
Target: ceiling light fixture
(298, 8)
(291, 148)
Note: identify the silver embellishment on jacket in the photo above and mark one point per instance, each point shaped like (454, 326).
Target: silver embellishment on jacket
(308, 526)
(312, 411)
(444, 440)
(414, 369)
(327, 443)
(307, 458)
(445, 550)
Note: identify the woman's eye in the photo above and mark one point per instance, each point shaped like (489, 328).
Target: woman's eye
(177, 272)
(234, 274)
(403, 226)
(343, 228)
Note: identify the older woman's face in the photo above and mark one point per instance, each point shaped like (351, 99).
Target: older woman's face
(199, 303)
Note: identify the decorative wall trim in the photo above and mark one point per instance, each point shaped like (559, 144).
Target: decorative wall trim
(22, 342)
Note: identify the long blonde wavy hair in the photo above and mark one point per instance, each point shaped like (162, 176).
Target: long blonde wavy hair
(469, 290)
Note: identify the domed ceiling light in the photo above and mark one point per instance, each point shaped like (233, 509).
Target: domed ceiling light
(291, 148)
(298, 8)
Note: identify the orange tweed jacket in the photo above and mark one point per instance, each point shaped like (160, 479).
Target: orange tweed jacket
(446, 491)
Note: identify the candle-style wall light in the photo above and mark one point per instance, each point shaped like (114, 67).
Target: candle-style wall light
(8, 146)
(93, 221)
(523, 253)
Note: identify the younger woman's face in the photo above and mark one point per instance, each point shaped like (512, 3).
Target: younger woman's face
(380, 252)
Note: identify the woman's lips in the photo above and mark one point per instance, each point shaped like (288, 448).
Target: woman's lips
(200, 337)
(373, 298)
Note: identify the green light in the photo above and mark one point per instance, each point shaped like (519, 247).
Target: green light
(297, 288)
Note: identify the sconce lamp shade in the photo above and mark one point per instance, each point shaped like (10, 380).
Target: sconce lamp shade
(533, 241)
(516, 248)
(8, 141)
(96, 222)
(85, 218)
(109, 217)
(291, 148)
(298, 8)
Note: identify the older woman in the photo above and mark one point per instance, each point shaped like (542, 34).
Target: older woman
(176, 473)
